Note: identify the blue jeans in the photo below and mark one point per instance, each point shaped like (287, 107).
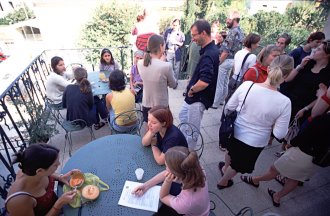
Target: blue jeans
(222, 82)
(193, 114)
(119, 128)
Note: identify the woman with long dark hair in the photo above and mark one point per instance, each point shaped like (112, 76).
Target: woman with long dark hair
(32, 193)
(56, 82)
(107, 62)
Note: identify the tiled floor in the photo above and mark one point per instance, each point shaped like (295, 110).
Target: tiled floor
(311, 199)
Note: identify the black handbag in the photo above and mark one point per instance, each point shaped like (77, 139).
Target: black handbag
(226, 131)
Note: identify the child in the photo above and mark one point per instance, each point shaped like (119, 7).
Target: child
(135, 79)
(182, 166)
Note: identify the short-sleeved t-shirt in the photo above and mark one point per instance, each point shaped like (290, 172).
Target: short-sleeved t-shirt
(298, 54)
(173, 137)
(192, 203)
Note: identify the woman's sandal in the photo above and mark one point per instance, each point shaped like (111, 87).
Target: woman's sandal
(229, 184)
(280, 179)
(248, 180)
(99, 125)
(271, 194)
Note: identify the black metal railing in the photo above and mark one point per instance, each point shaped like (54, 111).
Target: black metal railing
(21, 102)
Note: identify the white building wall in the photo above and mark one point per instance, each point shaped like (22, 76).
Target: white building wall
(269, 5)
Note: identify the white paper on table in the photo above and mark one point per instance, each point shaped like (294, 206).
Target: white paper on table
(148, 201)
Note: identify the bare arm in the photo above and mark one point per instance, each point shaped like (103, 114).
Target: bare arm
(159, 178)
(149, 138)
(158, 155)
(199, 86)
(223, 57)
(108, 99)
(322, 104)
(295, 71)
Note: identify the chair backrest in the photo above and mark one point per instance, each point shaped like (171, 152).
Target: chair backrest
(128, 122)
(193, 136)
(54, 109)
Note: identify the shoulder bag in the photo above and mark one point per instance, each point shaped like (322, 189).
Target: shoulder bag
(226, 131)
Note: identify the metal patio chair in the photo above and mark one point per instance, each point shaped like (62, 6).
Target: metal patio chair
(133, 118)
(193, 135)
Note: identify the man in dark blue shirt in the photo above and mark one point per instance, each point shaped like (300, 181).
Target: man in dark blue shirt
(202, 85)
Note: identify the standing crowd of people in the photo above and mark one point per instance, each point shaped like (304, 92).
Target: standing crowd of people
(269, 90)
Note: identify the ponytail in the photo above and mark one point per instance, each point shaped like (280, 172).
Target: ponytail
(147, 59)
(80, 74)
(185, 165)
(85, 86)
(280, 68)
(154, 43)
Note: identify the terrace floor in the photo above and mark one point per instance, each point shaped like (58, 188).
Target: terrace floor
(311, 199)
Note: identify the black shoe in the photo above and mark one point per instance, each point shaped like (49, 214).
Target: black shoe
(229, 184)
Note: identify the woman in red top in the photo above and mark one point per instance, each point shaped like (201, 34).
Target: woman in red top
(32, 193)
(258, 72)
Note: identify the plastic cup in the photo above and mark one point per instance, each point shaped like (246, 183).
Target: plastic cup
(139, 173)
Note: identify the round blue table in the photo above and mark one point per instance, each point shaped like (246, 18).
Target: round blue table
(114, 159)
(98, 87)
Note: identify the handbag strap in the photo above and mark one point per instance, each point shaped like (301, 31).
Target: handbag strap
(243, 62)
(223, 110)
(245, 98)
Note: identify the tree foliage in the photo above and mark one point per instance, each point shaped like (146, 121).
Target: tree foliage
(17, 15)
(110, 26)
(299, 20)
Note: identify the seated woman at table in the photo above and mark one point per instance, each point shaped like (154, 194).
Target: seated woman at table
(119, 100)
(78, 99)
(162, 134)
(181, 166)
(56, 81)
(32, 193)
(107, 62)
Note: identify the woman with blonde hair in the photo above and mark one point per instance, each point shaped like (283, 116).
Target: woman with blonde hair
(266, 111)
(258, 72)
(181, 166)
(156, 75)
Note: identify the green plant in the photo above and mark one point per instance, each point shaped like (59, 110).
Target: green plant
(110, 26)
(41, 124)
(18, 15)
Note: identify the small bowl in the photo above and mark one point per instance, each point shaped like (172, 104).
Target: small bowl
(77, 179)
(90, 192)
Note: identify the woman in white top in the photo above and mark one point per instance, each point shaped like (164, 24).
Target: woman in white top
(56, 82)
(251, 42)
(265, 111)
(156, 75)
